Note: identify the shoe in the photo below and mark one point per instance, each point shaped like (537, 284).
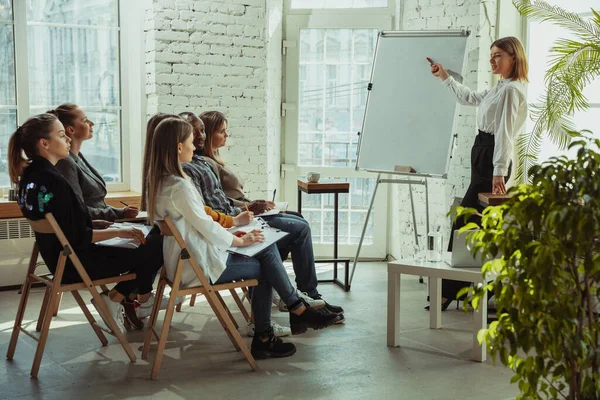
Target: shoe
(278, 330)
(330, 307)
(143, 310)
(445, 304)
(114, 309)
(340, 319)
(309, 301)
(276, 299)
(311, 318)
(273, 347)
(131, 319)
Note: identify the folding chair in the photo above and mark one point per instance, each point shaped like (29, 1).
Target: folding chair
(168, 228)
(236, 298)
(55, 289)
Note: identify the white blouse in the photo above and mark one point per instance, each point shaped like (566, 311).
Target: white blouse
(206, 239)
(502, 112)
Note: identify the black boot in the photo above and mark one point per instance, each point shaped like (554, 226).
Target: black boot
(272, 347)
(311, 318)
(330, 307)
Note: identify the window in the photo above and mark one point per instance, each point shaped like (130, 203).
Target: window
(339, 3)
(71, 50)
(541, 38)
(8, 100)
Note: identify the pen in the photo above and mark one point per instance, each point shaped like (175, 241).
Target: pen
(125, 204)
(430, 60)
(274, 191)
(246, 205)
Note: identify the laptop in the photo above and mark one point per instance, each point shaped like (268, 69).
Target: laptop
(461, 252)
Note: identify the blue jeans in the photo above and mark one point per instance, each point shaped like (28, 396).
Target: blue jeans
(299, 243)
(268, 269)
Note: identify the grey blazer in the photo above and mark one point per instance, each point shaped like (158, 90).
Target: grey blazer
(89, 186)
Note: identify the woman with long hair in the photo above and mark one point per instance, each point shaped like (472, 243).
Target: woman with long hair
(43, 189)
(500, 118)
(170, 193)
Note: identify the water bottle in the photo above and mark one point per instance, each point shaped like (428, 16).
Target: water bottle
(434, 246)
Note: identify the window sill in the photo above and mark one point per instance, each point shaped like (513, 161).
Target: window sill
(10, 209)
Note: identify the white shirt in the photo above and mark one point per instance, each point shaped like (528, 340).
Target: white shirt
(502, 112)
(206, 239)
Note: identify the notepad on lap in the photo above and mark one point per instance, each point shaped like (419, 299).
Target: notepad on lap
(271, 236)
(279, 207)
(125, 242)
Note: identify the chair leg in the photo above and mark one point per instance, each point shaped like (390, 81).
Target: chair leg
(227, 309)
(89, 317)
(246, 294)
(19, 318)
(39, 352)
(193, 300)
(240, 304)
(163, 337)
(152, 320)
(236, 337)
(224, 325)
(57, 306)
(104, 288)
(43, 308)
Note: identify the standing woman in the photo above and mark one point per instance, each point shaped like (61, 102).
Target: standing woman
(43, 189)
(500, 118)
(84, 179)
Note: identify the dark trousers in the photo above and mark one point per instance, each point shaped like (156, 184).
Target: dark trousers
(482, 172)
(105, 261)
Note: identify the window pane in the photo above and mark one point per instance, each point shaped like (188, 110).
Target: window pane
(333, 93)
(78, 12)
(8, 124)
(7, 66)
(318, 211)
(6, 10)
(339, 3)
(73, 65)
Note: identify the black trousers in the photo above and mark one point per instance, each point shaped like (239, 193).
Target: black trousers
(482, 172)
(104, 262)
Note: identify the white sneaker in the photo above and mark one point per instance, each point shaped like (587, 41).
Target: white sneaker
(276, 298)
(114, 309)
(143, 310)
(312, 303)
(278, 330)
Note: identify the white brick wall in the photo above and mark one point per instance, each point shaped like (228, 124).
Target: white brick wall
(222, 55)
(480, 18)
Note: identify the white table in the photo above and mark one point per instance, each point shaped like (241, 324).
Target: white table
(436, 271)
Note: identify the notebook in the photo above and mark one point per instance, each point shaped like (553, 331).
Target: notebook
(272, 235)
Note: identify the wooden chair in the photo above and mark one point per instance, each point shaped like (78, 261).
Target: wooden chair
(54, 290)
(168, 228)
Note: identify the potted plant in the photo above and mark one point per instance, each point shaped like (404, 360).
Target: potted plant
(547, 242)
(575, 63)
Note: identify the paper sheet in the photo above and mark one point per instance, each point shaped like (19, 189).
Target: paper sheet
(125, 242)
(272, 235)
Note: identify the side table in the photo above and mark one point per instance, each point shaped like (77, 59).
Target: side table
(326, 188)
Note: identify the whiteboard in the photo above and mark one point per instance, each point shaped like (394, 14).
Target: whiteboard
(409, 114)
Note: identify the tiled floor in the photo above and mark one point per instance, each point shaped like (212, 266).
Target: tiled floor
(349, 361)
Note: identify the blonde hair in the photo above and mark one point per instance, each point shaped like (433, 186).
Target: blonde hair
(213, 120)
(150, 127)
(164, 160)
(513, 46)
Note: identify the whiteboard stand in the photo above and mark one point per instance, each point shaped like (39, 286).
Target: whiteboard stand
(410, 184)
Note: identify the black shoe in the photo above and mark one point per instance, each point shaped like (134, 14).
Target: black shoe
(131, 319)
(330, 307)
(445, 304)
(311, 318)
(273, 347)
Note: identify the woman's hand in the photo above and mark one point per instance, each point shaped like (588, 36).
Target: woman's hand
(439, 71)
(130, 212)
(132, 233)
(252, 237)
(498, 186)
(260, 206)
(101, 224)
(243, 218)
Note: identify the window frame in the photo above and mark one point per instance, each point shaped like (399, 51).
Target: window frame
(393, 8)
(131, 85)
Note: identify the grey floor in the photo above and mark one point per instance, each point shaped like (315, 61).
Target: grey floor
(349, 361)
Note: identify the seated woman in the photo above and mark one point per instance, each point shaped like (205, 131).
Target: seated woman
(170, 193)
(83, 178)
(299, 240)
(43, 189)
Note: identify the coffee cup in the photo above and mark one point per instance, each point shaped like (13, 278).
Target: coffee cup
(313, 177)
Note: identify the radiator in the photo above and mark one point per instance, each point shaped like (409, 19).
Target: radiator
(16, 243)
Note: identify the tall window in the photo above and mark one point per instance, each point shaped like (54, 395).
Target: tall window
(72, 54)
(541, 38)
